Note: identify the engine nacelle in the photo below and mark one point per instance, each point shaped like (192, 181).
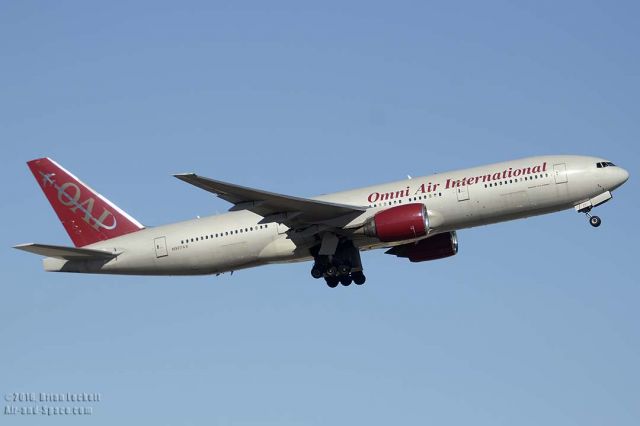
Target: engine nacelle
(437, 247)
(399, 223)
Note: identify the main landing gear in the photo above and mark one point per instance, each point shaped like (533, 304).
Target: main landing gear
(356, 277)
(344, 267)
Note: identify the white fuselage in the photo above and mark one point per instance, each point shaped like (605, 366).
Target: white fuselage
(454, 200)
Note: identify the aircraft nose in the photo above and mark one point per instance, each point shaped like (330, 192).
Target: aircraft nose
(624, 176)
(621, 176)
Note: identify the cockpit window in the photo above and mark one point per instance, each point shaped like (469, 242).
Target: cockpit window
(604, 164)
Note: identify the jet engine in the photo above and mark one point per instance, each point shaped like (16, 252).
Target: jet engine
(399, 223)
(437, 247)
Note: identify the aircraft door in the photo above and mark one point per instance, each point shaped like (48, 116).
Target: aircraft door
(462, 192)
(160, 244)
(560, 172)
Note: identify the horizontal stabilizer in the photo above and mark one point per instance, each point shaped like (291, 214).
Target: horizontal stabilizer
(66, 253)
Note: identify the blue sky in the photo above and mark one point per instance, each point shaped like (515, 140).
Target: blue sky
(533, 322)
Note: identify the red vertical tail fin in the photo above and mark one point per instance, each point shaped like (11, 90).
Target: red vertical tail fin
(87, 216)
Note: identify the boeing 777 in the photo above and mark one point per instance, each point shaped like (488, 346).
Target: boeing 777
(416, 219)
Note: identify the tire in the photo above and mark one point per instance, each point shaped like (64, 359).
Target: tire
(316, 272)
(345, 280)
(595, 221)
(332, 271)
(344, 269)
(332, 281)
(358, 278)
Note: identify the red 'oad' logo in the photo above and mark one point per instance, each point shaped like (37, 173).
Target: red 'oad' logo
(71, 199)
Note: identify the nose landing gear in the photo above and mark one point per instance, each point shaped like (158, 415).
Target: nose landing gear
(594, 221)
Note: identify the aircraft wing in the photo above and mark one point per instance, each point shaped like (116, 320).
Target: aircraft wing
(296, 210)
(66, 253)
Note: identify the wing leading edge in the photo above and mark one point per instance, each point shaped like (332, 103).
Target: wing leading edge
(297, 210)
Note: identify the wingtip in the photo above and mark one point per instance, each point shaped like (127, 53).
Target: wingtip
(24, 247)
(183, 175)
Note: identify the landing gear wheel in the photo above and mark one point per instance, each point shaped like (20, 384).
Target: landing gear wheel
(595, 221)
(332, 271)
(358, 278)
(332, 281)
(344, 269)
(316, 272)
(345, 280)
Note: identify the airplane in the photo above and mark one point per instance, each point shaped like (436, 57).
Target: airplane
(416, 219)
